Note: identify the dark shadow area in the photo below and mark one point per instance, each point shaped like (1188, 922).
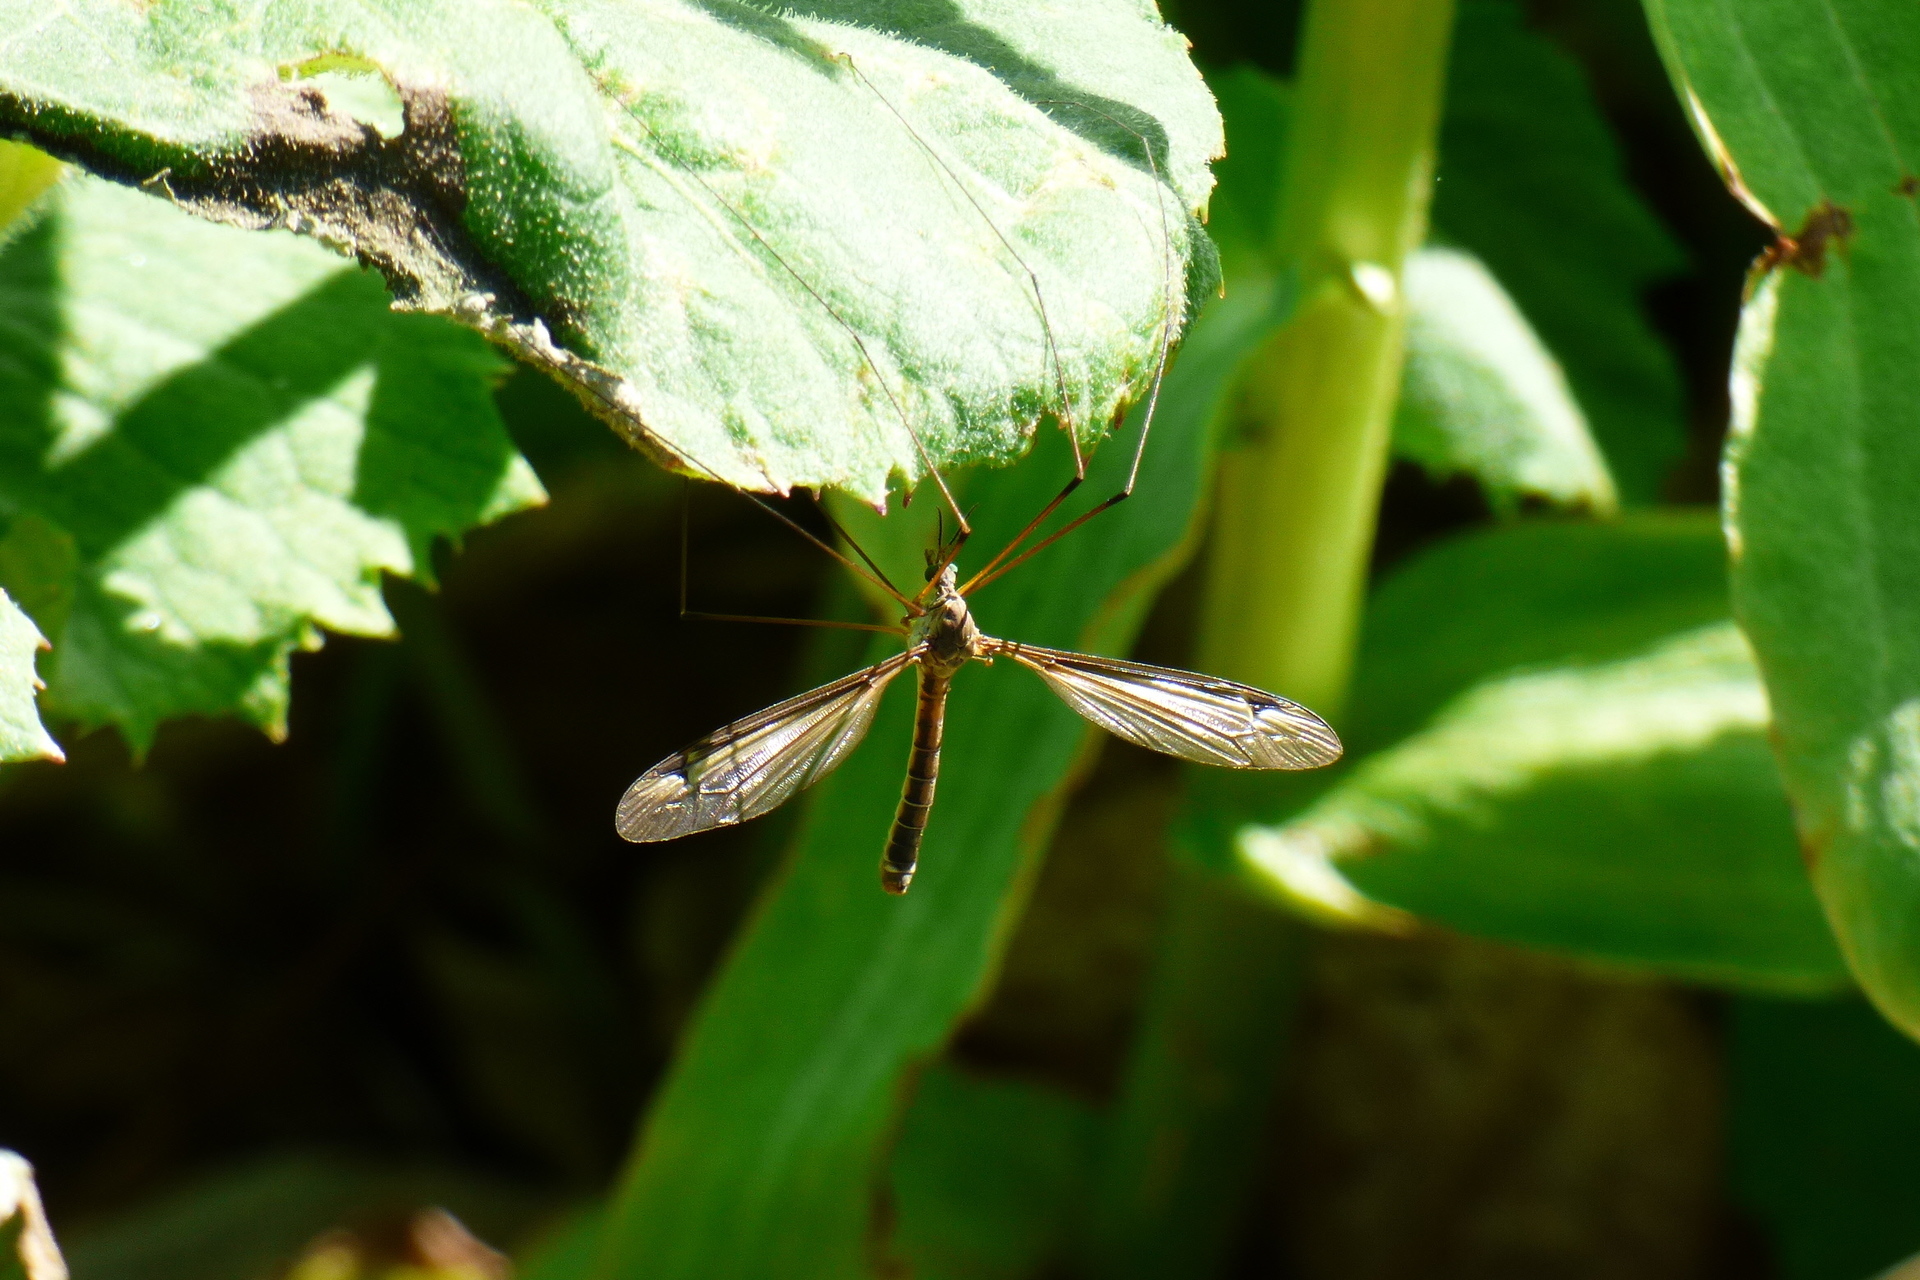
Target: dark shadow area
(408, 931)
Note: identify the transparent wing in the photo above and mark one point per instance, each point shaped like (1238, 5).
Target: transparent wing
(756, 764)
(1181, 713)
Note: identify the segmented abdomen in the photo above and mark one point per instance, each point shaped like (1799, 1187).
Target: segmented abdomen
(916, 796)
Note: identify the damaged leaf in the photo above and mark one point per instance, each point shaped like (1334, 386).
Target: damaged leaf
(1813, 117)
(195, 479)
(22, 736)
(760, 243)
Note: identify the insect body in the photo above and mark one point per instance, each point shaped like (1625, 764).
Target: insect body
(754, 765)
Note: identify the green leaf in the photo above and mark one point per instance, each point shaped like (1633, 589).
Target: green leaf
(1482, 397)
(763, 1148)
(1627, 812)
(27, 1247)
(1555, 740)
(211, 445)
(752, 238)
(1815, 112)
(1535, 595)
(22, 736)
(989, 1177)
(1823, 1107)
(564, 1252)
(1531, 182)
(25, 175)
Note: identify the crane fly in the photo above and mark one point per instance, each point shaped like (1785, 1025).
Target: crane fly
(756, 764)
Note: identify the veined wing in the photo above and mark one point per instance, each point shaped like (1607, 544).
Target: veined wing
(755, 764)
(1182, 713)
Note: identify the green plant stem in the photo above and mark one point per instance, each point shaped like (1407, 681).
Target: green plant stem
(1185, 1140)
(1297, 496)
(1295, 510)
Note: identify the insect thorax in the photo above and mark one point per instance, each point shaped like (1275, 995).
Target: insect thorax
(946, 629)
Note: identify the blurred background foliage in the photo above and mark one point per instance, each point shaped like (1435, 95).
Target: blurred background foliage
(267, 1005)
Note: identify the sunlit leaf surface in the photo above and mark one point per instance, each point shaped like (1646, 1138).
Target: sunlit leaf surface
(1627, 811)
(22, 736)
(752, 237)
(27, 1247)
(1813, 114)
(1556, 739)
(1482, 397)
(214, 443)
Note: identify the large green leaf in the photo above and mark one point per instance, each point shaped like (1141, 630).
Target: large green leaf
(1533, 596)
(211, 445)
(22, 736)
(1628, 812)
(1556, 739)
(760, 241)
(1531, 182)
(1813, 112)
(765, 1146)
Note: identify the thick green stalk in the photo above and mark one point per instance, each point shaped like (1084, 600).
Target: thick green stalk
(1293, 530)
(1297, 496)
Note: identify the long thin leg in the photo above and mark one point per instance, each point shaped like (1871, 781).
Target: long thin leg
(1166, 289)
(926, 458)
(848, 538)
(877, 578)
(1023, 535)
(980, 580)
(1046, 324)
(1000, 565)
(694, 615)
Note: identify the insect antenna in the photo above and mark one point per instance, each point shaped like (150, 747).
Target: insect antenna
(701, 615)
(858, 550)
(1001, 563)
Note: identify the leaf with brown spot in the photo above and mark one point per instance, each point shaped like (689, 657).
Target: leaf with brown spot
(1820, 107)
